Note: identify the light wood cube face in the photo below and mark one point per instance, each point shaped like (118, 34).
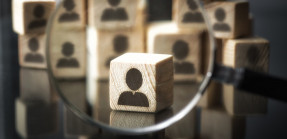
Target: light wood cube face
(68, 54)
(31, 16)
(117, 14)
(141, 82)
(112, 44)
(35, 86)
(71, 15)
(32, 51)
(186, 13)
(229, 19)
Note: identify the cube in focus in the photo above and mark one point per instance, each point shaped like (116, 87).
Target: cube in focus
(141, 82)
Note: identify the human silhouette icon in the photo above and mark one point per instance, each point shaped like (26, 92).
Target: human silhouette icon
(68, 61)
(192, 15)
(69, 16)
(120, 45)
(180, 51)
(252, 55)
(114, 13)
(133, 98)
(38, 13)
(220, 17)
(33, 56)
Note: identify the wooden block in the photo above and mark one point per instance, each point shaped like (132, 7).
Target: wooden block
(184, 45)
(217, 124)
(141, 82)
(229, 19)
(35, 119)
(186, 14)
(71, 15)
(116, 14)
(35, 86)
(212, 96)
(107, 45)
(32, 51)
(31, 16)
(68, 54)
(252, 53)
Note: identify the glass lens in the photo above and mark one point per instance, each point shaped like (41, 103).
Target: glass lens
(156, 84)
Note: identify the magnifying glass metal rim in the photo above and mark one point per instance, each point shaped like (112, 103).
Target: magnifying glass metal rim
(143, 130)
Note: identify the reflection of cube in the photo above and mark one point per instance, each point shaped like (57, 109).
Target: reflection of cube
(184, 45)
(141, 82)
(35, 118)
(252, 53)
(32, 52)
(31, 16)
(67, 51)
(229, 19)
(110, 15)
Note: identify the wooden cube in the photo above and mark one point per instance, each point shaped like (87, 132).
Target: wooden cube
(229, 19)
(252, 53)
(217, 124)
(32, 51)
(186, 14)
(184, 45)
(31, 16)
(107, 45)
(67, 51)
(35, 86)
(71, 15)
(141, 82)
(35, 119)
(115, 15)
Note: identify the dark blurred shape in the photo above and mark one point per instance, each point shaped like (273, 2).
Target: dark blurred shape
(159, 10)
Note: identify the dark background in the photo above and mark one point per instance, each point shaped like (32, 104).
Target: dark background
(270, 21)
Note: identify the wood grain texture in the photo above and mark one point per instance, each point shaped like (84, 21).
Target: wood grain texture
(105, 45)
(35, 86)
(116, 15)
(71, 15)
(34, 119)
(184, 45)
(68, 53)
(32, 51)
(141, 82)
(229, 19)
(31, 16)
(218, 124)
(252, 53)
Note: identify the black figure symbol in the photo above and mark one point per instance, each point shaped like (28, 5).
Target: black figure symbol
(180, 51)
(252, 55)
(192, 15)
(33, 56)
(220, 25)
(133, 98)
(120, 44)
(38, 12)
(115, 13)
(69, 16)
(68, 62)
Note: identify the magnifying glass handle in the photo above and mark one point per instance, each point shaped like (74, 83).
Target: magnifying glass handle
(252, 82)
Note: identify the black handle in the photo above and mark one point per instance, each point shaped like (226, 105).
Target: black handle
(252, 82)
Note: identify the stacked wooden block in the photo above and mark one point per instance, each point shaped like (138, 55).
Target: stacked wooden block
(37, 105)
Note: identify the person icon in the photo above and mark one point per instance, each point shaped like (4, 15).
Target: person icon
(68, 62)
(180, 51)
(115, 13)
(38, 12)
(69, 16)
(33, 56)
(192, 15)
(120, 45)
(252, 55)
(133, 98)
(220, 25)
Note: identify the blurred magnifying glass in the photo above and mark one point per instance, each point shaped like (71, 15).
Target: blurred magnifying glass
(147, 90)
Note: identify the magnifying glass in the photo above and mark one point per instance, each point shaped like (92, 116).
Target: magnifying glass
(201, 40)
